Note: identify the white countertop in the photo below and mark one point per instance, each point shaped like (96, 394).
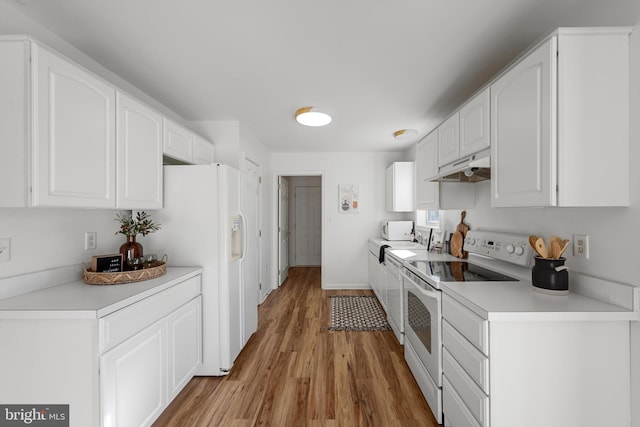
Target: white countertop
(77, 300)
(519, 301)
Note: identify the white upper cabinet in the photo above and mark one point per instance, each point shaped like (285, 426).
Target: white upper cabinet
(474, 124)
(449, 140)
(15, 154)
(560, 123)
(466, 132)
(522, 141)
(74, 135)
(178, 141)
(438, 195)
(70, 139)
(203, 151)
(426, 168)
(400, 187)
(139, 148)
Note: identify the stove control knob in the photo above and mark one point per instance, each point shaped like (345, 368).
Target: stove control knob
(471, 241)
(519, 250)
(510, 248)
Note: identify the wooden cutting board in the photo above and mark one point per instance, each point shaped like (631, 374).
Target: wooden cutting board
(457, 240)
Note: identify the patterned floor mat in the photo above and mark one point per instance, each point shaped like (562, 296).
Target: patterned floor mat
(357, 313)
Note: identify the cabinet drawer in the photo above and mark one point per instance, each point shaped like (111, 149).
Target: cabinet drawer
(472, 361)
(122, 324)
(468, 391)
(456, 413)
(473, 327)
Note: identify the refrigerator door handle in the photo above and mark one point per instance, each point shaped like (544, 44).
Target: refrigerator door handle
(244, 236)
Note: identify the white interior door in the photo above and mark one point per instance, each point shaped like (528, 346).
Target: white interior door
(251, 280)
(308, 225)
(283, 230)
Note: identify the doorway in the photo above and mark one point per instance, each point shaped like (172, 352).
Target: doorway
(299, 222)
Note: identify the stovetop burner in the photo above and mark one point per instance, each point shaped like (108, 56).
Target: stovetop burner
(458, 271)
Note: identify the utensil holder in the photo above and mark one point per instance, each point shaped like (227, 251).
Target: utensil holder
(550, 276)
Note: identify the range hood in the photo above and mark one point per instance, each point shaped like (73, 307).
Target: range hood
(473, 168)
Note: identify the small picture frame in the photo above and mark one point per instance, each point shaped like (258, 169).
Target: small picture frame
(106, 263)
(438, 239)
(348, 196)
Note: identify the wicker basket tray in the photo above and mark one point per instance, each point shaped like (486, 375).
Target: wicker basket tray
(157, 269)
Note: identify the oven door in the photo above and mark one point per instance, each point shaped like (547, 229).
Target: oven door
(423, 323)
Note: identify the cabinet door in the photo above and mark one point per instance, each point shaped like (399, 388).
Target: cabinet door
(178, 141)
(139, 143)
(400, 193)
(427, 192)
(185, 345)
(133, 379)
(523, 141)
(449, 140)
(203, 151)
(14, 123)
(74, 141)
(474, 124)
(372, 269)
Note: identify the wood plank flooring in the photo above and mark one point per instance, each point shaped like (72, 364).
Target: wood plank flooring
(294, 372)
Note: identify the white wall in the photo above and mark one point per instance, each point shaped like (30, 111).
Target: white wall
(613, 232)
(48, 238)
(344, 244)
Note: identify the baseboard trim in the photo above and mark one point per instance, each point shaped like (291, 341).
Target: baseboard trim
(346, 287)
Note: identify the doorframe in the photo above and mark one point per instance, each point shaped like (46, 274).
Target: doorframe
(275, 261)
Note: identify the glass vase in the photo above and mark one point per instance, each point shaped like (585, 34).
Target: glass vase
(130, 250)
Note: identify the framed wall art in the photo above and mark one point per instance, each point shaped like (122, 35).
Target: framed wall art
(348, 198)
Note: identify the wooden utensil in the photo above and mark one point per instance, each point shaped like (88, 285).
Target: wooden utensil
(462, 227)
(541, 248)
(563, 247)
(456, 245)
(532, 242)
(555, 249)
(457, 240)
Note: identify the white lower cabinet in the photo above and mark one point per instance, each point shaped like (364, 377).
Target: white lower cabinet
(184, 327)
(115, 365)
(377, 277)
(526, 373)
(143, 374)
(133, 379)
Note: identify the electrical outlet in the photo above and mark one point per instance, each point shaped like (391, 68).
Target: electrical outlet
(90, 240)
(581, 246)
(5, 249)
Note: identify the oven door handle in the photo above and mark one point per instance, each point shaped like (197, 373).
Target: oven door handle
(427, 293)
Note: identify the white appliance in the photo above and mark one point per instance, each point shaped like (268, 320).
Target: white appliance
(397, 230)
(423, 275)
(202, 225)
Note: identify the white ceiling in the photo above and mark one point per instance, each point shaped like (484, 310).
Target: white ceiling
(376, 65)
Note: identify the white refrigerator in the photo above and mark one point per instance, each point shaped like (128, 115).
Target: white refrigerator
(202, 225)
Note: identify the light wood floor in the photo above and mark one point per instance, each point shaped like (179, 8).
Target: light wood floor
(293, 372)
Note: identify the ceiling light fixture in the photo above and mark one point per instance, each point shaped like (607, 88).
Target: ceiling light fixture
(404, 135)
(312, 116)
